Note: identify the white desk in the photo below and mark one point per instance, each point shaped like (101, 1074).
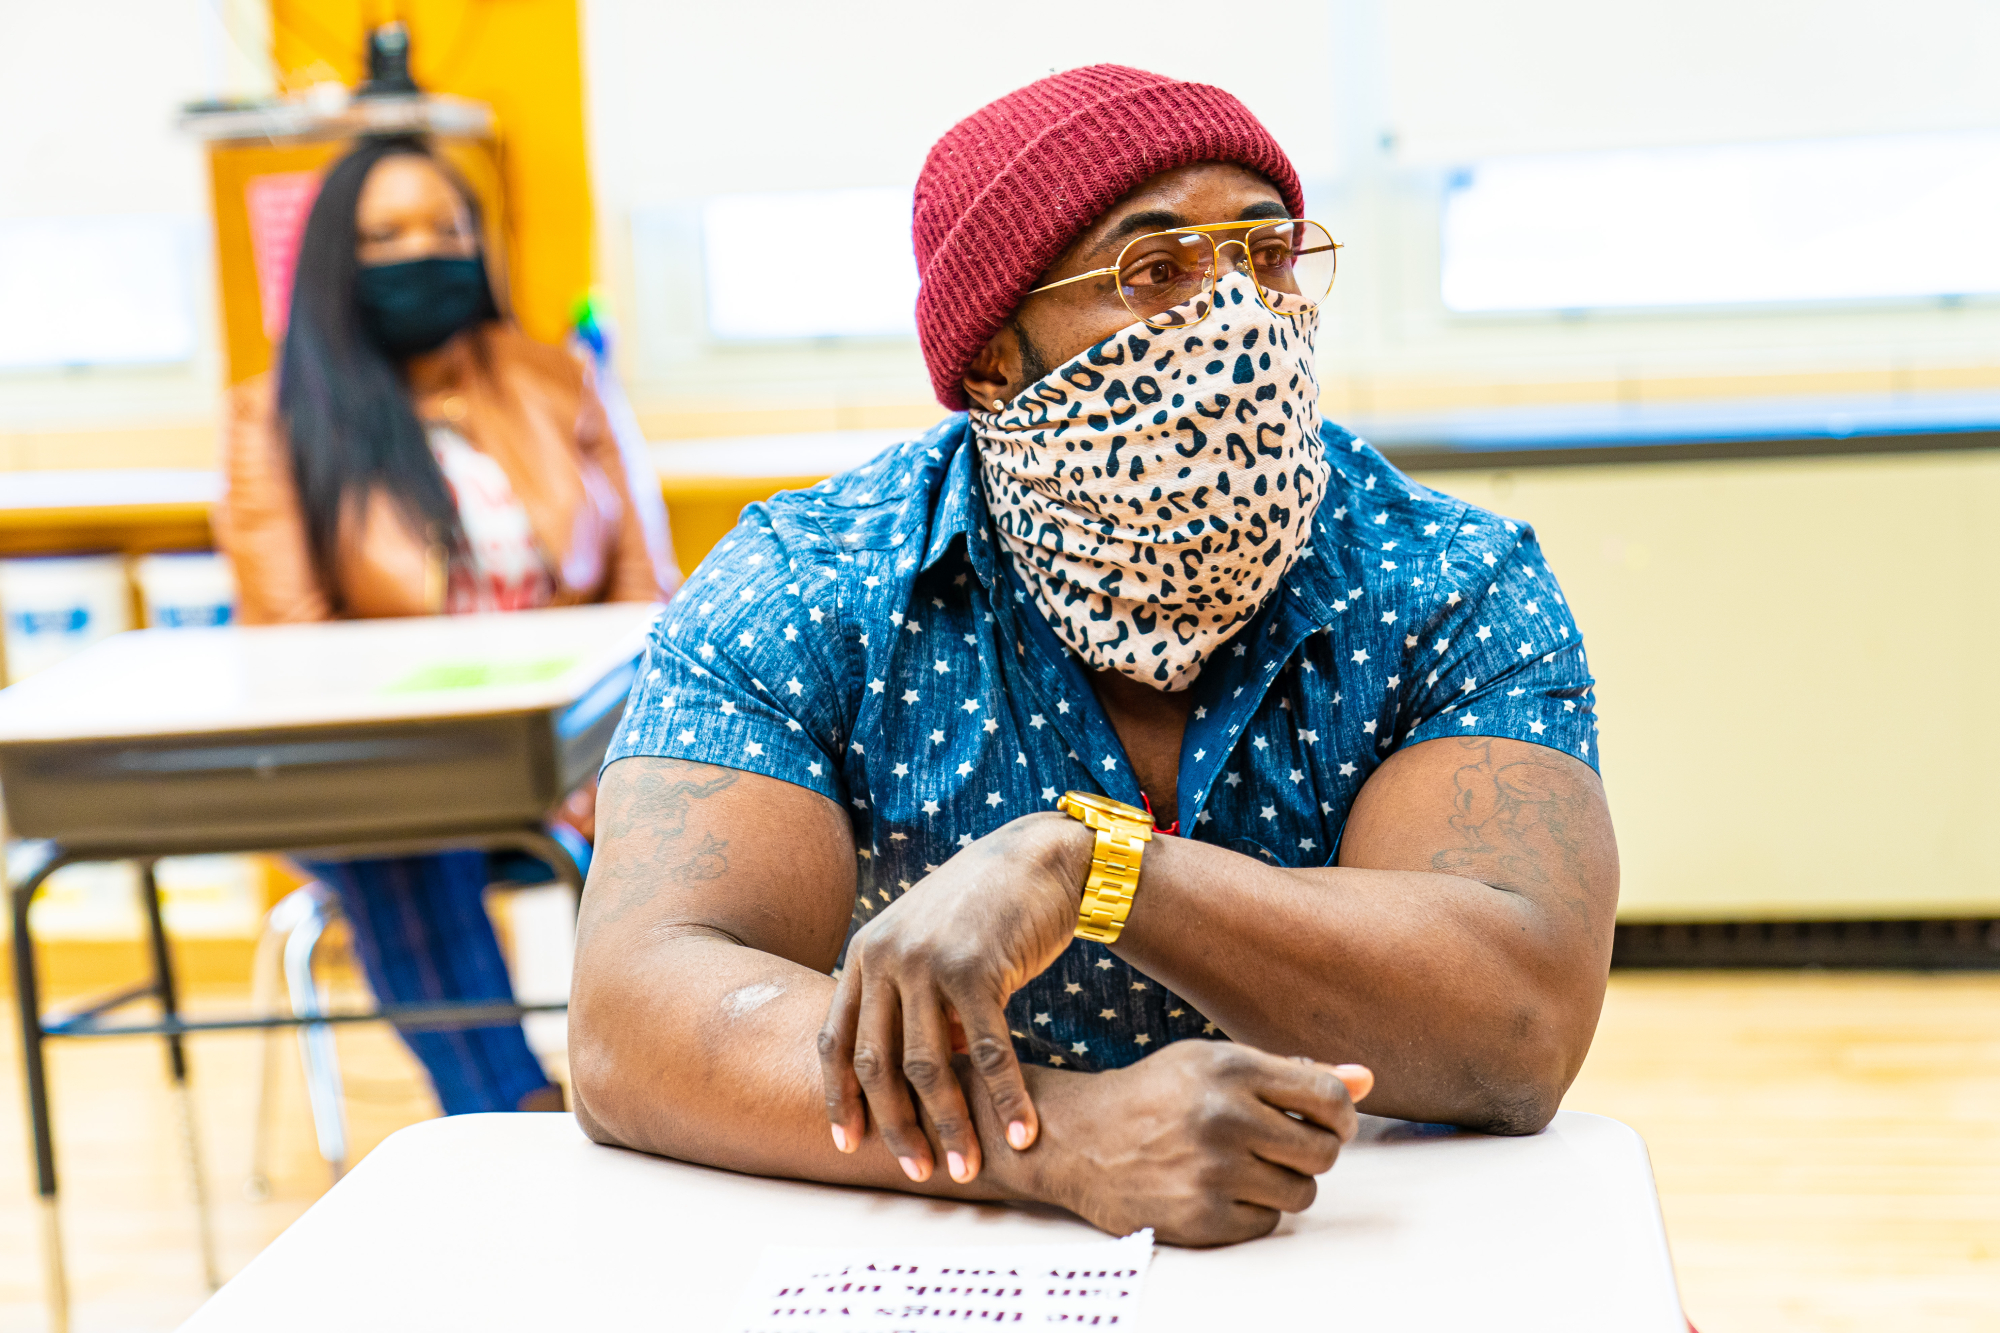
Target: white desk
(503, 1222)
(355, 738)
(234, 678)
(294, 736)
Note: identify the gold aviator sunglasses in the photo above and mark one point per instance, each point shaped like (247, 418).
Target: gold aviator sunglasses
(1167, 278)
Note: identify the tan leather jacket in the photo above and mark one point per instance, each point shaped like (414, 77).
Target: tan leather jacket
(530, 407)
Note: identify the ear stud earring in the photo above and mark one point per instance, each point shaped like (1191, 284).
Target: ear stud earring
(997, 404)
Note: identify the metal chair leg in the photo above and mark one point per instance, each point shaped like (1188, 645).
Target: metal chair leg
(267, 977)
(27, 996)
(169, 996)
(316, 1048)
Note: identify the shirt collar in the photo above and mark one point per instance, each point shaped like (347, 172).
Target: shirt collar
(1314, 580)
(961, 509)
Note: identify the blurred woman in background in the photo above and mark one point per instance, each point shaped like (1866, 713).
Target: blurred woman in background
(419, 454)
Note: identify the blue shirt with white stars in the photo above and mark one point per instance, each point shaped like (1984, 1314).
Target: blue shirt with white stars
(866, 640)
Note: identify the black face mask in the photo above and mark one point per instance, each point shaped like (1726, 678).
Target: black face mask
(413, 307)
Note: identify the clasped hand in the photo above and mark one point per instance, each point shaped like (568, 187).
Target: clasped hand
(1206, 1142)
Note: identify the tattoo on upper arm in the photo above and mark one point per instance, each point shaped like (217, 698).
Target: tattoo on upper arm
(649, 817)
(1524, 824)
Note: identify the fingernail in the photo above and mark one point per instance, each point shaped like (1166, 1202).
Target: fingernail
(956, 1165)
(913, 1169)
(1359, 1078)
(840, 1138)
(1017, 1134)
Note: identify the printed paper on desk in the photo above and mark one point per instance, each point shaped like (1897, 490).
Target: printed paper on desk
(908, 1289)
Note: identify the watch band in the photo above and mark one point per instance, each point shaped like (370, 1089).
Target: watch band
(1122, 834)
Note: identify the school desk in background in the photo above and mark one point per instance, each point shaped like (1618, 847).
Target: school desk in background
(333, 741)
(54, 606)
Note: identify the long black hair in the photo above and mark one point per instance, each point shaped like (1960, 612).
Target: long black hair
(342, 399)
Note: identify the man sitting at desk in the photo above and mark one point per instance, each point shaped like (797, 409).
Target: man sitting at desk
(1138, 569)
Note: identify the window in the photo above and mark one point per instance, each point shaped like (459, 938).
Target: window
(1811, 220)
(811, 264)
(93, 291)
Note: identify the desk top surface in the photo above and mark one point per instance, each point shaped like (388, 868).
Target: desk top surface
(164, 682)
(518, 1222)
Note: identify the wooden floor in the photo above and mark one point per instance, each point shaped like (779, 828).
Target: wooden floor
(1827, 1145)
(1827, 1148)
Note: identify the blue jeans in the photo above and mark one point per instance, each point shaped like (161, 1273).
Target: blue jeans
(422, 934)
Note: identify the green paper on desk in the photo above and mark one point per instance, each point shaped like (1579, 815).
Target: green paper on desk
(474, 675)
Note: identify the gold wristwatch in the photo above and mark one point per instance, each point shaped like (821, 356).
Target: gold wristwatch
(1122, 834)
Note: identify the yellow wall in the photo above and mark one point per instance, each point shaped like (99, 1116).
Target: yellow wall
(523, 58)
(1793, 663)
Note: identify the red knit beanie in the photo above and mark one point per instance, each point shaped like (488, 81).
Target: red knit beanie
(1009, 187)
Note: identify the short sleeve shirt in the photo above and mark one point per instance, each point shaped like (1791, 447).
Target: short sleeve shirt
(866, 640)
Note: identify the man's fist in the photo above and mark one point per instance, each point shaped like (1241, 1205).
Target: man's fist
(1205, 1142)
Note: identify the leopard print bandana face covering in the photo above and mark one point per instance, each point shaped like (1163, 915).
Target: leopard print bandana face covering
(1151, 492)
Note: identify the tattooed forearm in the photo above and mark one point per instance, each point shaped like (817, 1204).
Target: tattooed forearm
(644, 835)
(1522, 824)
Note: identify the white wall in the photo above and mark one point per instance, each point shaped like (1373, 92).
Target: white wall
(1462, 79)
(1471, 78)
(89, 90)
(692, 101)
(1373, 98)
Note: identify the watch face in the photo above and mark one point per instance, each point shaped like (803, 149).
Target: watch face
(1105, 805)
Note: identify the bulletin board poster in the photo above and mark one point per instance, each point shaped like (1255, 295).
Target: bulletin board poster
(278, 205)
